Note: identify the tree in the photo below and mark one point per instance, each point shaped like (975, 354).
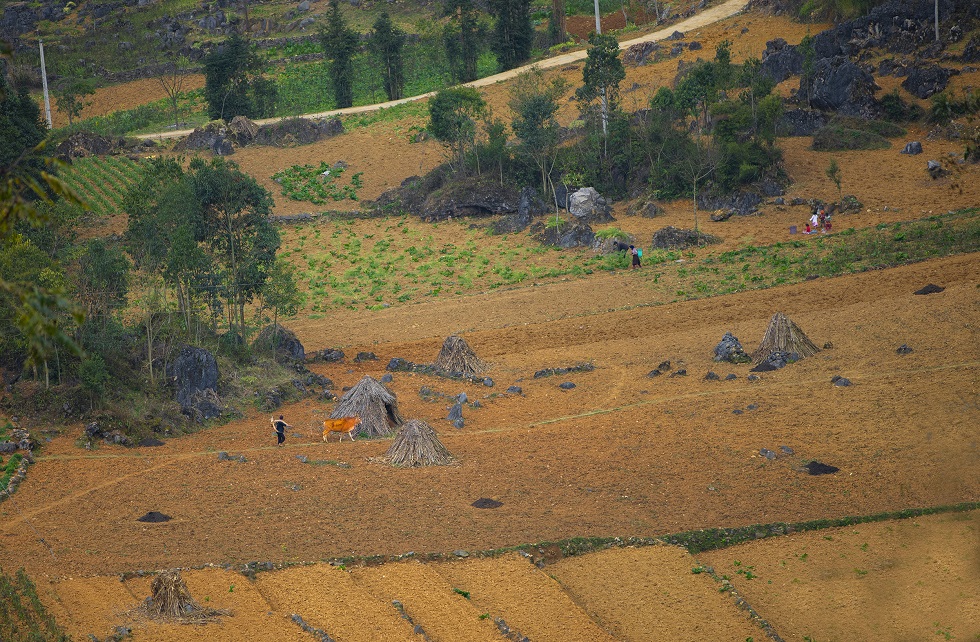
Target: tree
(172, 80)
(339, 46)
(834, 174)
(463, 39)
(601, 76)
(281, 295)
(556, 23)
(452, 119)
(233, 85)
(70, 94)
(387, 42)
(237, 231)
(513, 32)
(103, 278)
(534, 102)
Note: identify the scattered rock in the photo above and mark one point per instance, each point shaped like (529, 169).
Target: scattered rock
(904, 349)
(775, 360)
(840, 381)
(679, 373)
(753, 377)
(459, 423)
(149, 442)
(780, 61)
(386, 378)
(737, 412)
(752, 406)
(460, 553)
(638, 54)
(730, 349)
(801, 122)
(645, 207)
(935, 169)
(929, 289)
(841, 86)
(711, 376)
(731, 376)
(567, 385)
(456, 412)
(488, 382)
(515, 390)
(786, 450)
(913, 148)
(768, 454)
(576, 233)
(486, 502)
(677, 35)
(365, 356)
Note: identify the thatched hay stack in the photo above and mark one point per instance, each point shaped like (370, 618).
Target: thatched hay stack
(417, 444)
(782, 335)
(374, 404)
(457, 356)
(170, 600)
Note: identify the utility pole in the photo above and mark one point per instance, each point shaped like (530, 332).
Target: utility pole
(44, 82)
(605, 105)
(937, 20)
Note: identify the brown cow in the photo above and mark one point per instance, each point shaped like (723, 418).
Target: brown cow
(343, 425)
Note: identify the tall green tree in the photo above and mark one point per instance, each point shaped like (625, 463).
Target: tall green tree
(534, 102)
(281, 295)
(387, 43)
(602, 73)
(453, 114)
(513, 33)
(463, 37)
(339, 46)
(233, 84)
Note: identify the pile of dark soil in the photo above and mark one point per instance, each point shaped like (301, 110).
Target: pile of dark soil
(153, 517)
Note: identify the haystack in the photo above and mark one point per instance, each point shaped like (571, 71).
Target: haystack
(418, 445)
(170, 600)
(782, 335)
(457, 356)
(374, 404)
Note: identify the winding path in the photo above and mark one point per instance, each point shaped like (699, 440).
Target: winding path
(706, 17)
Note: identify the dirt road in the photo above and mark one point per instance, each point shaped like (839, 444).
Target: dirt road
(714, 14)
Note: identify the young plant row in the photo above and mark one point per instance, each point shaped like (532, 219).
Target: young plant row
(102, 181)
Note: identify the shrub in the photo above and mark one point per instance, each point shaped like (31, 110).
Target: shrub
(833, 138)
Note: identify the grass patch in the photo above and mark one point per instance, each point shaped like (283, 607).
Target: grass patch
(7, 470)
(23, 617)
(835, 138)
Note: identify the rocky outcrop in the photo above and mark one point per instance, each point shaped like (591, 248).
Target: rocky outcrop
(475, 196)
(780, 61)
(673, 238)
(840, 85)
(528, 206)
(576, 233)
(284, 340)
(290, 132)
(194, 373)
(924, 81)
(588, 205)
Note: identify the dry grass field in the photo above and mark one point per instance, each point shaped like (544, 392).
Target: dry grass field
(620, 455)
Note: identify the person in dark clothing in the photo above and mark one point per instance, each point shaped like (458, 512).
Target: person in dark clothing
(280, 426)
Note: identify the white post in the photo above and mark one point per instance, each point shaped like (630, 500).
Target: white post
(44, 83)
(605, 105)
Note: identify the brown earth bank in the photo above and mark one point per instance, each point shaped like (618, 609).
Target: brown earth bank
(900, 580)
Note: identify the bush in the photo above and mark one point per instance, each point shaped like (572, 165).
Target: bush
(899, 111)
(832, 138)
